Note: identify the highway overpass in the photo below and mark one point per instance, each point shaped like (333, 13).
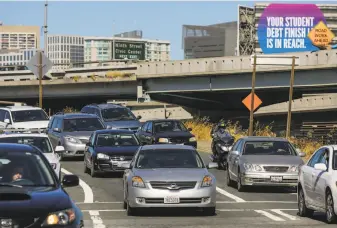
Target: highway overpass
(211, 83)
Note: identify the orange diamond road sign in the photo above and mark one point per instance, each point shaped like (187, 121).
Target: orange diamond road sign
(247, 101)
(321, 35)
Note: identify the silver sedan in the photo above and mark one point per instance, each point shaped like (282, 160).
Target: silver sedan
(169, 176)
(263, 161)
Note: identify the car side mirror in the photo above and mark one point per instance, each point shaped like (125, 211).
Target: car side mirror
(212, 165)
(126, 165)
(7, 121)
(88, 144)
(302, 154)
(59, 149)
(56, 130)
(235, 152)
(70, 181)
(320, 166)
(189, 129)
(139, 117)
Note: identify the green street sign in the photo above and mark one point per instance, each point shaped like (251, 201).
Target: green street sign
(129, 50)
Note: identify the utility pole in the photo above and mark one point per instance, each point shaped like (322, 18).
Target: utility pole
(40, 66)
(252, 102)
(45, 28)
(291, 89)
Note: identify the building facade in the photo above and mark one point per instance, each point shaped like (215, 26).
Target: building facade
(19, 37)
(209, 41)
(16, 57)
(329, 11)
(114, 48)
(64, 50)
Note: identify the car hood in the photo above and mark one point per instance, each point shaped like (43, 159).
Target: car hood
(31, 124)
(79, 134)
(171, 174)
(52, 158)
(174, 134)
(18, 202)
(123, 124)
(114, 150)
(272, 159)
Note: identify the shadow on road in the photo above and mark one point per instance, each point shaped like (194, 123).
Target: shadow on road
(254, 189)
(71, 159)
(174, 212)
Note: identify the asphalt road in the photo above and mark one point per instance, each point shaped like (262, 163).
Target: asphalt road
(101, 199)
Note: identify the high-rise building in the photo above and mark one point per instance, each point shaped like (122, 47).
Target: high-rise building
(138, 34)
(19, 37)
(110, 48)
(65, 49)
(209, 41)
(15, 57)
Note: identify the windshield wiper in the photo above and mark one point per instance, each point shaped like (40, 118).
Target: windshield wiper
(10, 185)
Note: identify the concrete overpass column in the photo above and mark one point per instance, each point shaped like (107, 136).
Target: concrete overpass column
(140, 94)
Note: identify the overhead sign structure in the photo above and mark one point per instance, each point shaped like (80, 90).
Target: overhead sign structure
(34, 64)
(286, 27)
(247, 102)
(129, 50)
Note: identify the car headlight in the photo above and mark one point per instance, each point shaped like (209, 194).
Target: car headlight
(102, 156)
(293, 169)
(192, 139)
(138, 182)
(163, 140)
(252, 167)
(207, 181)
(72, 140)
(53, 165)
(64, 217)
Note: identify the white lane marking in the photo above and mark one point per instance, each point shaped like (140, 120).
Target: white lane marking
(229, 195)
(96, 219)
(88, 194)
(219, 202)
(291, 217)
(269, 215)
(99, 202)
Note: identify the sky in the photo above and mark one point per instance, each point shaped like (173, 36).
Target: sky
(157, 20)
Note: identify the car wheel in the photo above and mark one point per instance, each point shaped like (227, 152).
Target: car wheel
(303, 211)
(229, 181)
(240, 187)
(92, 170)
(330, 212)
(125, 205)
(130, 210)
(86, 170)
(209, 211)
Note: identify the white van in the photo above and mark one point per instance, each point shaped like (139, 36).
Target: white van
(23, 117)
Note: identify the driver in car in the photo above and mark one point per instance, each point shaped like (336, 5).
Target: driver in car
(17, 173)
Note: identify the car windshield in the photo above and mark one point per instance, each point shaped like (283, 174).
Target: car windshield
(169, 126)
(113, 114)
(116, 139)
(173, 158)
(269, 148)
(29, 115)
(20, 168)
(40, 142)
(334, 160)
(82, 124)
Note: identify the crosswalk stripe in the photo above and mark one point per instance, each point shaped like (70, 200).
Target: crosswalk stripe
(269, 215)
(277, 211)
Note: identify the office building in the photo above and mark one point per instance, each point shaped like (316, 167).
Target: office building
(109, 48)
(65, 50)
(19, 37)
(329, 11)
(209, 41)
(15, 57)
(137, 34)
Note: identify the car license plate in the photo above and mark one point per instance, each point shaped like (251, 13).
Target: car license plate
(276, 179)
(171, 199)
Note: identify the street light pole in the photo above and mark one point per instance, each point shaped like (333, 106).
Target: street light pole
(46, 28)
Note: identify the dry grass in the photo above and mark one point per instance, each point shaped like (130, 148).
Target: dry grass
(201, 128)
(117, 74)
(70, 110)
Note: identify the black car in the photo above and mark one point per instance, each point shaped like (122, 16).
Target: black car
(166, 131)
(108, 150)
(31, 194)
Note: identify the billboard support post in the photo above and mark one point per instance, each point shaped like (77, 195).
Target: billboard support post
(251, 116)
(292, 77)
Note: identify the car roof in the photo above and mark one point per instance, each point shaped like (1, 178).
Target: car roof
(76, 115)
(105, 131)
(20, 108)
(264, 138)
(16, 147)
(334, 146)
(163, 120)
(12, 135)
(106, 106)
(166, 147)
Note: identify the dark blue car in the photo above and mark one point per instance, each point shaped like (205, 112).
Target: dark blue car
(31, 195)
(109, 150)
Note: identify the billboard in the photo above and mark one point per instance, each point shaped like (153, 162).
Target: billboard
(129, 50)
(292, 28)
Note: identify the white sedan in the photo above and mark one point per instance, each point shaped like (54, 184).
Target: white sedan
(317, 187)
(42, 142)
